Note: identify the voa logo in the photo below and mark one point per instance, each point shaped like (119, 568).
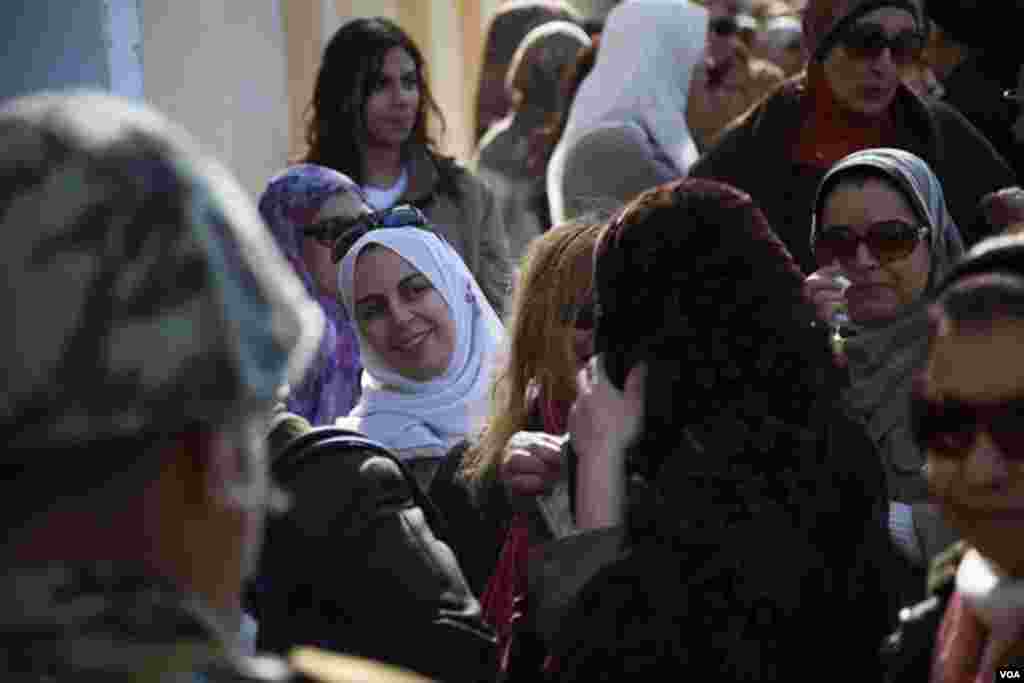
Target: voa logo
(1009, 674)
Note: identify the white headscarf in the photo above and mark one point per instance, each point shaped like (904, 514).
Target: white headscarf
(648, 52)
(404, 413)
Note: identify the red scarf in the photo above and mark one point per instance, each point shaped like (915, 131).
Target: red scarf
(504, 598)
(831, 132)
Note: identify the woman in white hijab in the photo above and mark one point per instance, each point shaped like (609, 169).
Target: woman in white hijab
(627, 125)
(428, 339)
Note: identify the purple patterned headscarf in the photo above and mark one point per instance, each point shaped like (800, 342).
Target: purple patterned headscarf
(291, 201)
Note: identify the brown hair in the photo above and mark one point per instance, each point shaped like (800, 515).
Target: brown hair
(348, 72)
(556, 273)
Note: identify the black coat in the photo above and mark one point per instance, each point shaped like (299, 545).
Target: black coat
(355, 567)
(756, 155)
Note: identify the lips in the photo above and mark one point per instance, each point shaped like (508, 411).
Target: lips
(411, 342)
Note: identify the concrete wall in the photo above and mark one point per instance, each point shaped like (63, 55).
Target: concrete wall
(219, 68)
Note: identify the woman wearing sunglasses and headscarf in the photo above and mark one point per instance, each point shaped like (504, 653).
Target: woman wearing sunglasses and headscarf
(295, 203)
(851, 98)
(967, 412)
(428, 338)
(881, 221)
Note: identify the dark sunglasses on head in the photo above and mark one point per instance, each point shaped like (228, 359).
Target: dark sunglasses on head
(730, 25)
(342, 233)
(579, 316)
(868, 41)
(949, 427)
(888, 241)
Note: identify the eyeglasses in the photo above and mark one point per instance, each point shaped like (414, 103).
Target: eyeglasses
(888, 241)
(581, 316)
(949, 427)
(868, 41)
(342, 233)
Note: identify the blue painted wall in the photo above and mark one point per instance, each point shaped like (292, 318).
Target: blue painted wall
(50, 44)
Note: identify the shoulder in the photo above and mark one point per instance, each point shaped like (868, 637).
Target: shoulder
(772, 122)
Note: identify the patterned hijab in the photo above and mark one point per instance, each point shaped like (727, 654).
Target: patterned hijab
(143, 293)
(404, 413)
(292, 201)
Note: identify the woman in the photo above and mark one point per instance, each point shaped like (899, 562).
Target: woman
(713, 391)
(966, 408)
(627, 126)
(428, 339)
(295, 201)
(850, 98)
(504, 156)
(488, 499)
(370, 110)
(550, 338)
(880, 218)
(505, 33)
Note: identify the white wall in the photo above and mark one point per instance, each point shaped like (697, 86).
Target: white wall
(218, 67)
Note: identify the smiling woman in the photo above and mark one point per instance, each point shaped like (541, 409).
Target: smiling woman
(428, 339)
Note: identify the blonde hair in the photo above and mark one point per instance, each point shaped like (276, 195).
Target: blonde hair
(556, 273)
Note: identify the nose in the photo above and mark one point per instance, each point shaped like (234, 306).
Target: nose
(985, 466)
(863, 259)
(884, 63)
(401, 314)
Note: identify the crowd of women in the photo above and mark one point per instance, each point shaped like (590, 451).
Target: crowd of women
(704, 363)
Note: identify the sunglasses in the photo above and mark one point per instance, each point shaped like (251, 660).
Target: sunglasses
(341, 233)
(949, 427)
(580, 316)
(888, 241)
(868, 41)
(730, 25)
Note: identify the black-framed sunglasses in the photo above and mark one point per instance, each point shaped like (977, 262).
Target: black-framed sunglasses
(888, 241)
(342, 233)
(729, 25)
(949, 427)
(868, 41)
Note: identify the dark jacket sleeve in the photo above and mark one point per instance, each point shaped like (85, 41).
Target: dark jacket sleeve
(355, 567)
(970, 168)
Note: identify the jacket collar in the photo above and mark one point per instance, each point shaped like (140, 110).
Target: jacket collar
(423, 176)
(774, 119)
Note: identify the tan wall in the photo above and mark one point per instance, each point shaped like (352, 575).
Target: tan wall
(239, 74)
(218, 67)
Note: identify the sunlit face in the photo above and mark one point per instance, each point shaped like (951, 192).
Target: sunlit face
(402, 316)
(316, 254)
(868, 86)
(877, 292)
(980, 493)
(393, 101)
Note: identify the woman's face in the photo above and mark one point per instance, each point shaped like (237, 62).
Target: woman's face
(393, 101)
(979, 490)
(868, 85)
(403, 317)
(317, 255)
(878, 291)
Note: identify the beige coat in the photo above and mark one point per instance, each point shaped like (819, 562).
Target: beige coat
(464, 211)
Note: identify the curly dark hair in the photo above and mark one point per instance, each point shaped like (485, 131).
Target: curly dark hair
(691, 280)
(351, 65)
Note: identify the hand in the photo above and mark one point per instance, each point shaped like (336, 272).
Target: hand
(603, 423)
(531, 463)
(822, 290)
(603, 419)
